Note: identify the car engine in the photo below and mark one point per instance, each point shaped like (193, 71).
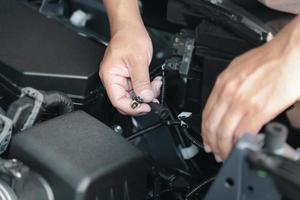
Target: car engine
(60, 137)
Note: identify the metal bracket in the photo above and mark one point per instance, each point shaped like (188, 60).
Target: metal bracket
(39, 99)
(5, 133)
(237, 180)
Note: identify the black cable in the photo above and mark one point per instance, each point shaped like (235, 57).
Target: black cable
(198, 187)
(191, 138)
(178, 132)
(163, 86)
(153, 71)
(180, 135)
(153, 127)
(144, 131)
(181, 172)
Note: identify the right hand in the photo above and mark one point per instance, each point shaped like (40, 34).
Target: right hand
(124, 70)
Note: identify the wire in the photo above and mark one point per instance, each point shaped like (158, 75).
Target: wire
(153, 127)
(191, 138)
(163, 86)
(198, 187)
(181, 172)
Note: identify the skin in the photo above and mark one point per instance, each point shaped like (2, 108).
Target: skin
(254, 89)
(124, 70)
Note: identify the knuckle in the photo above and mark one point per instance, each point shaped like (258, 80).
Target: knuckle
(255, 105)
(220, 80)
(230, 88)
(221, 135)
(235, 61)
(101, 74)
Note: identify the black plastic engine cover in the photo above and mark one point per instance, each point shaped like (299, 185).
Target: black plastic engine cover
(81, 158)
(40, 52)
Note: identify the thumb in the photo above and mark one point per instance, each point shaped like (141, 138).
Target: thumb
(140, 79)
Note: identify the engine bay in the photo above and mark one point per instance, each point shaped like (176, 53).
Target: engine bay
(62, 139)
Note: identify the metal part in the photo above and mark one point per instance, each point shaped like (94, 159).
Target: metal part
(5, 132)
(38, 102)
(275, 141)
(118, 129)
(20, 179)
(6, 192)
(12, 168)
(136, 102)
(276, 136)
(258, 164)
(183, 46)
(236, 180)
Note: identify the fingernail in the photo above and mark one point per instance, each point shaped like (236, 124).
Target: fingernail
(147, 109)
(218, 158)
(158, 78)
(147, 95)
(207, 148)
(155, 101)
(157, 86)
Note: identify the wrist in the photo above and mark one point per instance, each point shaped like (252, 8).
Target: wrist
(123, 14)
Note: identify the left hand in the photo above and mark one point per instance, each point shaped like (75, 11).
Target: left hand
(254, 89)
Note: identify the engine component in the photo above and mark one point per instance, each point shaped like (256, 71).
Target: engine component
(159, 110)
(80, 18)
(26, 110)
(136, 102)
(17, 181)
(6, 126)
(82, 159)
(47, 56)
(224, 12)
(38, 101)
(259, 164)
(59, 100)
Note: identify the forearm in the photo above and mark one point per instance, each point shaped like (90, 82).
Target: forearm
(295, 33)
(288, 39)
(122, 13)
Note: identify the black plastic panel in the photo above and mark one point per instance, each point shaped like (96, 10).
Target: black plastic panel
(82, 159)
(42, 53)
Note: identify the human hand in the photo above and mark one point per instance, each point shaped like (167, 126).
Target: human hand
(254, 89)
(124, 70)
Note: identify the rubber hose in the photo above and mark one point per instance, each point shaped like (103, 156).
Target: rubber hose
(55, 99)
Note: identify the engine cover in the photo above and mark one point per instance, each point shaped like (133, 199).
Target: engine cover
(81, 158)
(44, 54)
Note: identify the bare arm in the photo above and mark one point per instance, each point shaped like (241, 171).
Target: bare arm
(124, 70)
(123, 13)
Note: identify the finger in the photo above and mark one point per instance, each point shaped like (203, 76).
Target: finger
(156, 85)
(139, 73)
(117, 86)
(221, 99)
(249, 124)
(204, 125)
(122, 100)
(213, 97)
(226, 130)
(213, 121)
(125, 107)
